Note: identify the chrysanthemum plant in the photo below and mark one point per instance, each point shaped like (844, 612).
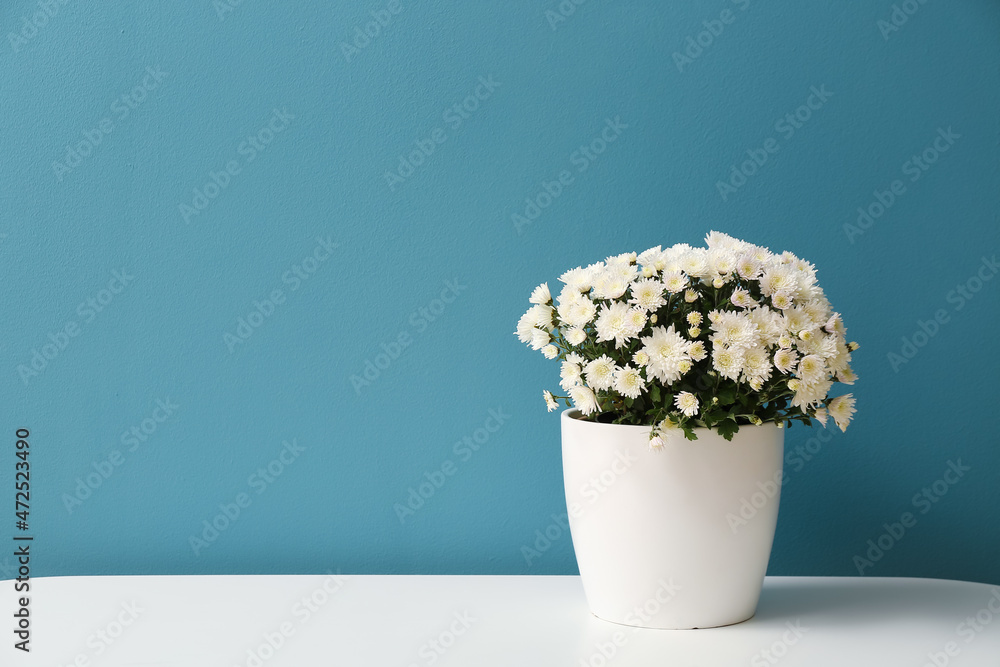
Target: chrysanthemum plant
(717, 337)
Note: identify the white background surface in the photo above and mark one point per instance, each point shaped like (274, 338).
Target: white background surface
(509, 620)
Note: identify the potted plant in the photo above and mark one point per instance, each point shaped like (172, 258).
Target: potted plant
(682, 368)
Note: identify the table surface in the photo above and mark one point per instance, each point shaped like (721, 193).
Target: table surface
(302, 620)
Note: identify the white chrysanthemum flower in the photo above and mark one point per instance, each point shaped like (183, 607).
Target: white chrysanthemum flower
(742, 299)
(655, 443)
(612, 323)
(540, 295)
(821, 345)
(721, 262)
(647, 256)
(629, 382)
(684, 366)
(690, 296)
(674, 281)
(539, 339)
(757, 365)
(669, 430)
(769, 323)
(728, 362)
(550, 401)
(640, 358)
(694, 319)
(809, 395)
(575, 358)
(550, 351)
(733, 329)
(578, 279)
(687, 403)
(648, 272)
(610, 286)
(781, 300)
(575, 335)
(778, 279)
(697, 350)
(571, 373)
(625, 258)
(811, 369)
(748, 266)
(600, 372)
(666, 349)
(846, 375)
(797, 319)
(525, 326)
(821, 416)
(647, 294)
(784, 360)
(720, 240)
(842, 410)
(835, 325)
(694, 263)
(694, 332)
(636, 320)
(584, 399)
(541, 316)
(785, 340)
(577, 312)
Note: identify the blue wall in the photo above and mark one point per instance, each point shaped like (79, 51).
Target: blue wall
(227, 149)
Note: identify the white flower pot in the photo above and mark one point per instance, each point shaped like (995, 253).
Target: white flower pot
(678, 538)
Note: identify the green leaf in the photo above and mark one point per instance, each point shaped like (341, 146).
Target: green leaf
(727, 395)
(728, 428)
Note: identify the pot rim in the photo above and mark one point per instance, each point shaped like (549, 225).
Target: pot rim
(575, 414)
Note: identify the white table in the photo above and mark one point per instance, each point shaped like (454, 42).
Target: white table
(479, 621)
